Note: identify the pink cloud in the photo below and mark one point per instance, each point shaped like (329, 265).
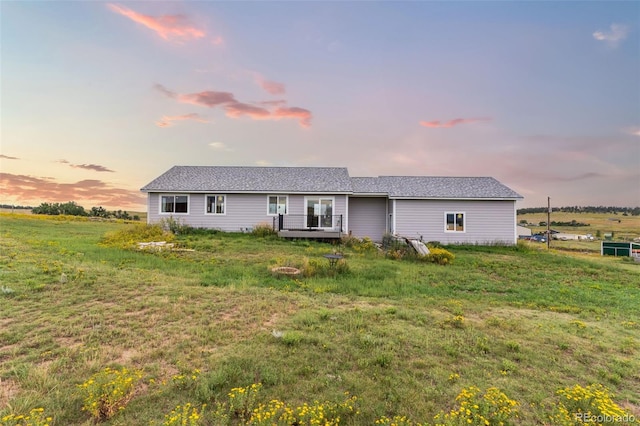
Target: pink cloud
(269, 86)
(167, 120)
(32, 190)
(267, 110)
(166, 26)
(208, 98)
(239, 109)
(217, 41)
(436, 124)
(276, 103)
(635, 131)
(303, 115)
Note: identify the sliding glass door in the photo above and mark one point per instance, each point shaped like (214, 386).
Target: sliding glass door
(319, 212)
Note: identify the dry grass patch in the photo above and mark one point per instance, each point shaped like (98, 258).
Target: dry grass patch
(8, 390)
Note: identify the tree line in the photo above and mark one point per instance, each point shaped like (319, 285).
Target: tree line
(73, 209)
(625, 211)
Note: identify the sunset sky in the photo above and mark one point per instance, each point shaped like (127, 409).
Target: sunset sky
(97, 99)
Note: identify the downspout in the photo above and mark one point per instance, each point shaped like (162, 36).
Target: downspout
(515, 223)
(345, 225)
(393, 216)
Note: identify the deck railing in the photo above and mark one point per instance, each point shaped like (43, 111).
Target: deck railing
(303, 222)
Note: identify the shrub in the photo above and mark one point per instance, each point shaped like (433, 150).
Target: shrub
(141, 233)
(359, 245)
(242, 401)
(396, 421)
(36, 417)
(263, 229)
(456, 321)
(396, 254)
(440, 256)
(69, 208)
(175, 226)
(184, 415)
(108, 392)
(587, 405)
(491, 408)
(244, 406)
(312, 267)
(316, 267)
(341, 267)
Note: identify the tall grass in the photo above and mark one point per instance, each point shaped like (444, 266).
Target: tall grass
(402, 335)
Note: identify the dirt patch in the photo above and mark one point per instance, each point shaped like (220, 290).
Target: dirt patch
(68, 342)
(8, 389)
(269, 323)
(126, 356)
(529, 314)
(634, 409)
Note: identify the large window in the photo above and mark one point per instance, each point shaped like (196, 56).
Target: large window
(216, 204)
(454, 222)
(277, 204)
(319, 212)
(174, 204)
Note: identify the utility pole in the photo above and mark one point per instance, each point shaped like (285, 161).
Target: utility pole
(548, 222)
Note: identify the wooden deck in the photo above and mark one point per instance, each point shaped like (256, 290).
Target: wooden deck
(320, 234)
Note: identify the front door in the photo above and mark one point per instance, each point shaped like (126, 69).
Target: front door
(319, 212)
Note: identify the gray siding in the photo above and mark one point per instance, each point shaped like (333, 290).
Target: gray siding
(486, 221)
(368, 217)
(242, 210)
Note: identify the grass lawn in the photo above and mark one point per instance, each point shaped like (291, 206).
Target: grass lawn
(405, 337)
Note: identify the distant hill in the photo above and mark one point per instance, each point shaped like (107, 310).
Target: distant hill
(633, 211)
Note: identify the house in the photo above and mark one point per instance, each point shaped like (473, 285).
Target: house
(325, 202)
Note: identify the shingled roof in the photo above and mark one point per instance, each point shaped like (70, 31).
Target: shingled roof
(252, 179)
(333, 180)
(445, 187)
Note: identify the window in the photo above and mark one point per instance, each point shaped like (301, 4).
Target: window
(174, 204)
(277, 204)
(216, 204)
(319, 212)
(454, 222)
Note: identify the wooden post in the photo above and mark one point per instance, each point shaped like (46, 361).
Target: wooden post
(548, 222)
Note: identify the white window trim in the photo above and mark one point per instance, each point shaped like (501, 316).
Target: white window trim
(464, 222)
(286, 197)
(174, 202)
(206, 196)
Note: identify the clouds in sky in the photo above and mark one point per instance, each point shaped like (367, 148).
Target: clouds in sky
(271, 87)
(94, 167)
(169, 27)
(219, 146)
(269, 110)
(616, 34)
(319, 81)
(437, 124)
(635, 131)
(30, 189)
(167, 120)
